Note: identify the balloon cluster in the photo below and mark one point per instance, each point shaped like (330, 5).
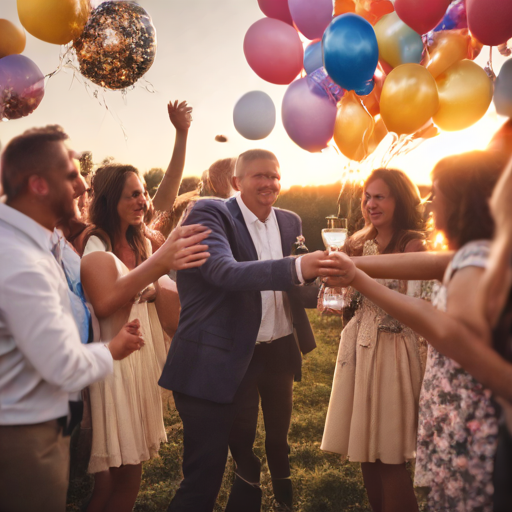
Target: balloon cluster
(374, 66)
(115, 45)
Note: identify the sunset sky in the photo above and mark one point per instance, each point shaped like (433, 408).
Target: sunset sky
(200, 59)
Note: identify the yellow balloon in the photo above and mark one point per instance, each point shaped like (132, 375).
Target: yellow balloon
(353, 127)
(465, 93)
(449, 47)
(54, 21)
(12, 38)
(409, 98)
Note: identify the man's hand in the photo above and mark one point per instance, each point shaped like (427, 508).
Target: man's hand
(128, 340)
(180, 115)
(319, 264)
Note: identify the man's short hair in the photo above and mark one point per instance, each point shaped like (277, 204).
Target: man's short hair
(253, 154)
(26, 155)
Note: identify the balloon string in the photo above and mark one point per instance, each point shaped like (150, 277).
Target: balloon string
(488, 69)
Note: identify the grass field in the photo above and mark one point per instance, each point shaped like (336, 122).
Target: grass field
(322, 482)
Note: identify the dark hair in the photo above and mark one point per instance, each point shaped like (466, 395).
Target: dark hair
(107, 185)
(408, 223)
(28, 154)
(467, 181)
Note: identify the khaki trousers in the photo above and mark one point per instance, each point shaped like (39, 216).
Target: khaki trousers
(34, 468)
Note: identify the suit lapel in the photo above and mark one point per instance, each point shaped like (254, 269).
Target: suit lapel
(246, 240)
(285, 229)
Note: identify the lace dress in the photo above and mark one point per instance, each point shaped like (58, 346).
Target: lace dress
(457, 435)
(126, 407)
(373, 410)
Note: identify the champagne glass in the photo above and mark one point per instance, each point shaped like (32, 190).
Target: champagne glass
(334, 237)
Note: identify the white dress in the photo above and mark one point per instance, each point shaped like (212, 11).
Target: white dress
(126, 407)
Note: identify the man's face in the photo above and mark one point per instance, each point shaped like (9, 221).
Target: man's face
(64, 183)
(260, 182)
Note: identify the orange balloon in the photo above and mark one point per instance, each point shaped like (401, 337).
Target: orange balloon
(409, 98)
(12, 38)
(54, 21)
(449, 47)
(465, 93)
(379, 132)
(373, 10)
(344, 6)
(353, 127)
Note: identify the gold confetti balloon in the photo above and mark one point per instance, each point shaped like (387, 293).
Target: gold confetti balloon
(117, 46)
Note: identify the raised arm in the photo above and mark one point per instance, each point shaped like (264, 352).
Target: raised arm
(108, 291)
(461, 333)
(180, 115)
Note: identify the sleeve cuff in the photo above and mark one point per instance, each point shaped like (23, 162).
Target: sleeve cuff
(298, 269)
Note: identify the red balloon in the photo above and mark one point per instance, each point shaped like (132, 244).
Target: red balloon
(490, 21)
(277, 9)
(274, 51)
(421, 15)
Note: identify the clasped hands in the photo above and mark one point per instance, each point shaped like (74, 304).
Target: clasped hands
(336, 268)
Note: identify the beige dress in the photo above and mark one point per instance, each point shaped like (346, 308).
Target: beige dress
(126, 407)
(373, 410)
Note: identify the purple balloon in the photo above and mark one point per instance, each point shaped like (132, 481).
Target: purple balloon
(312, 17)
(21, 87)
(308, 115)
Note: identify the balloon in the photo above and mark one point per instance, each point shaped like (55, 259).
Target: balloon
(373, 10)
(254, 115)
(503, 90)
(455, 17)
(54, 21)
(465, 93)
(344, 6)
(490, 21)
(308, 115)
(277, 9)
(21, 87)
(274, 51)
(311, 17)
(421, 15)
(321, 78)
(313, 57)
(12, 38)
(353, 127)
(372, 100)
(351, 52)
(409, 98)
(379, 132)
(448, 48)
(398, 43)
(117, 46)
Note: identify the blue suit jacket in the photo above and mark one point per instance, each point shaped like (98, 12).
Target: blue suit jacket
(221, 303)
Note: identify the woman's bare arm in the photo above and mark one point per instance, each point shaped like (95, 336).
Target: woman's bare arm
(181, 117)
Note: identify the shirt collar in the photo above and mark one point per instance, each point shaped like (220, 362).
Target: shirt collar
(37, 232)
(249, 216)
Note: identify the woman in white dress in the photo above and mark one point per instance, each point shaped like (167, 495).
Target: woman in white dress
(117, 274)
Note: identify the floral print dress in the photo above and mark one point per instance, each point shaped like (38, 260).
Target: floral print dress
(458, 428)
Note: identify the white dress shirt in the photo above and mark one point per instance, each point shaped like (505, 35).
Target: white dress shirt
(41, 357)
(276, 320)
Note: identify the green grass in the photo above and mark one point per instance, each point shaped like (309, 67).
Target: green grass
(322, 482)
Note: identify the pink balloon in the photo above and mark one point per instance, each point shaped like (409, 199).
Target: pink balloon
(308, 115)
(311, 17)
(490, 21)
(274, 51)
(21, 86)
(277, 9)
(421, 15)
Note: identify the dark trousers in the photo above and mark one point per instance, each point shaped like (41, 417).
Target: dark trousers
(210, 428)
(503, 472)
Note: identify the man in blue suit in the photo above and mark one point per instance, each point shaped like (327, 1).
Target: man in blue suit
(235, 341)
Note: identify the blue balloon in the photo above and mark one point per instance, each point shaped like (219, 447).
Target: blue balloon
(503, 90)
(313, 57)
(366, 89)
(351, 52)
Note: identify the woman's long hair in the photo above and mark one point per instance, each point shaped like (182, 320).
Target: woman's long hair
(467, 181)
(107, 185)
(408, 223)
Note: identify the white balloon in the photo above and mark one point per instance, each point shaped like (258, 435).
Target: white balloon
(254, 115)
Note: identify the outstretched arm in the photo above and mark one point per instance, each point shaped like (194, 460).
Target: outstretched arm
(180, 115)
(461, 333)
